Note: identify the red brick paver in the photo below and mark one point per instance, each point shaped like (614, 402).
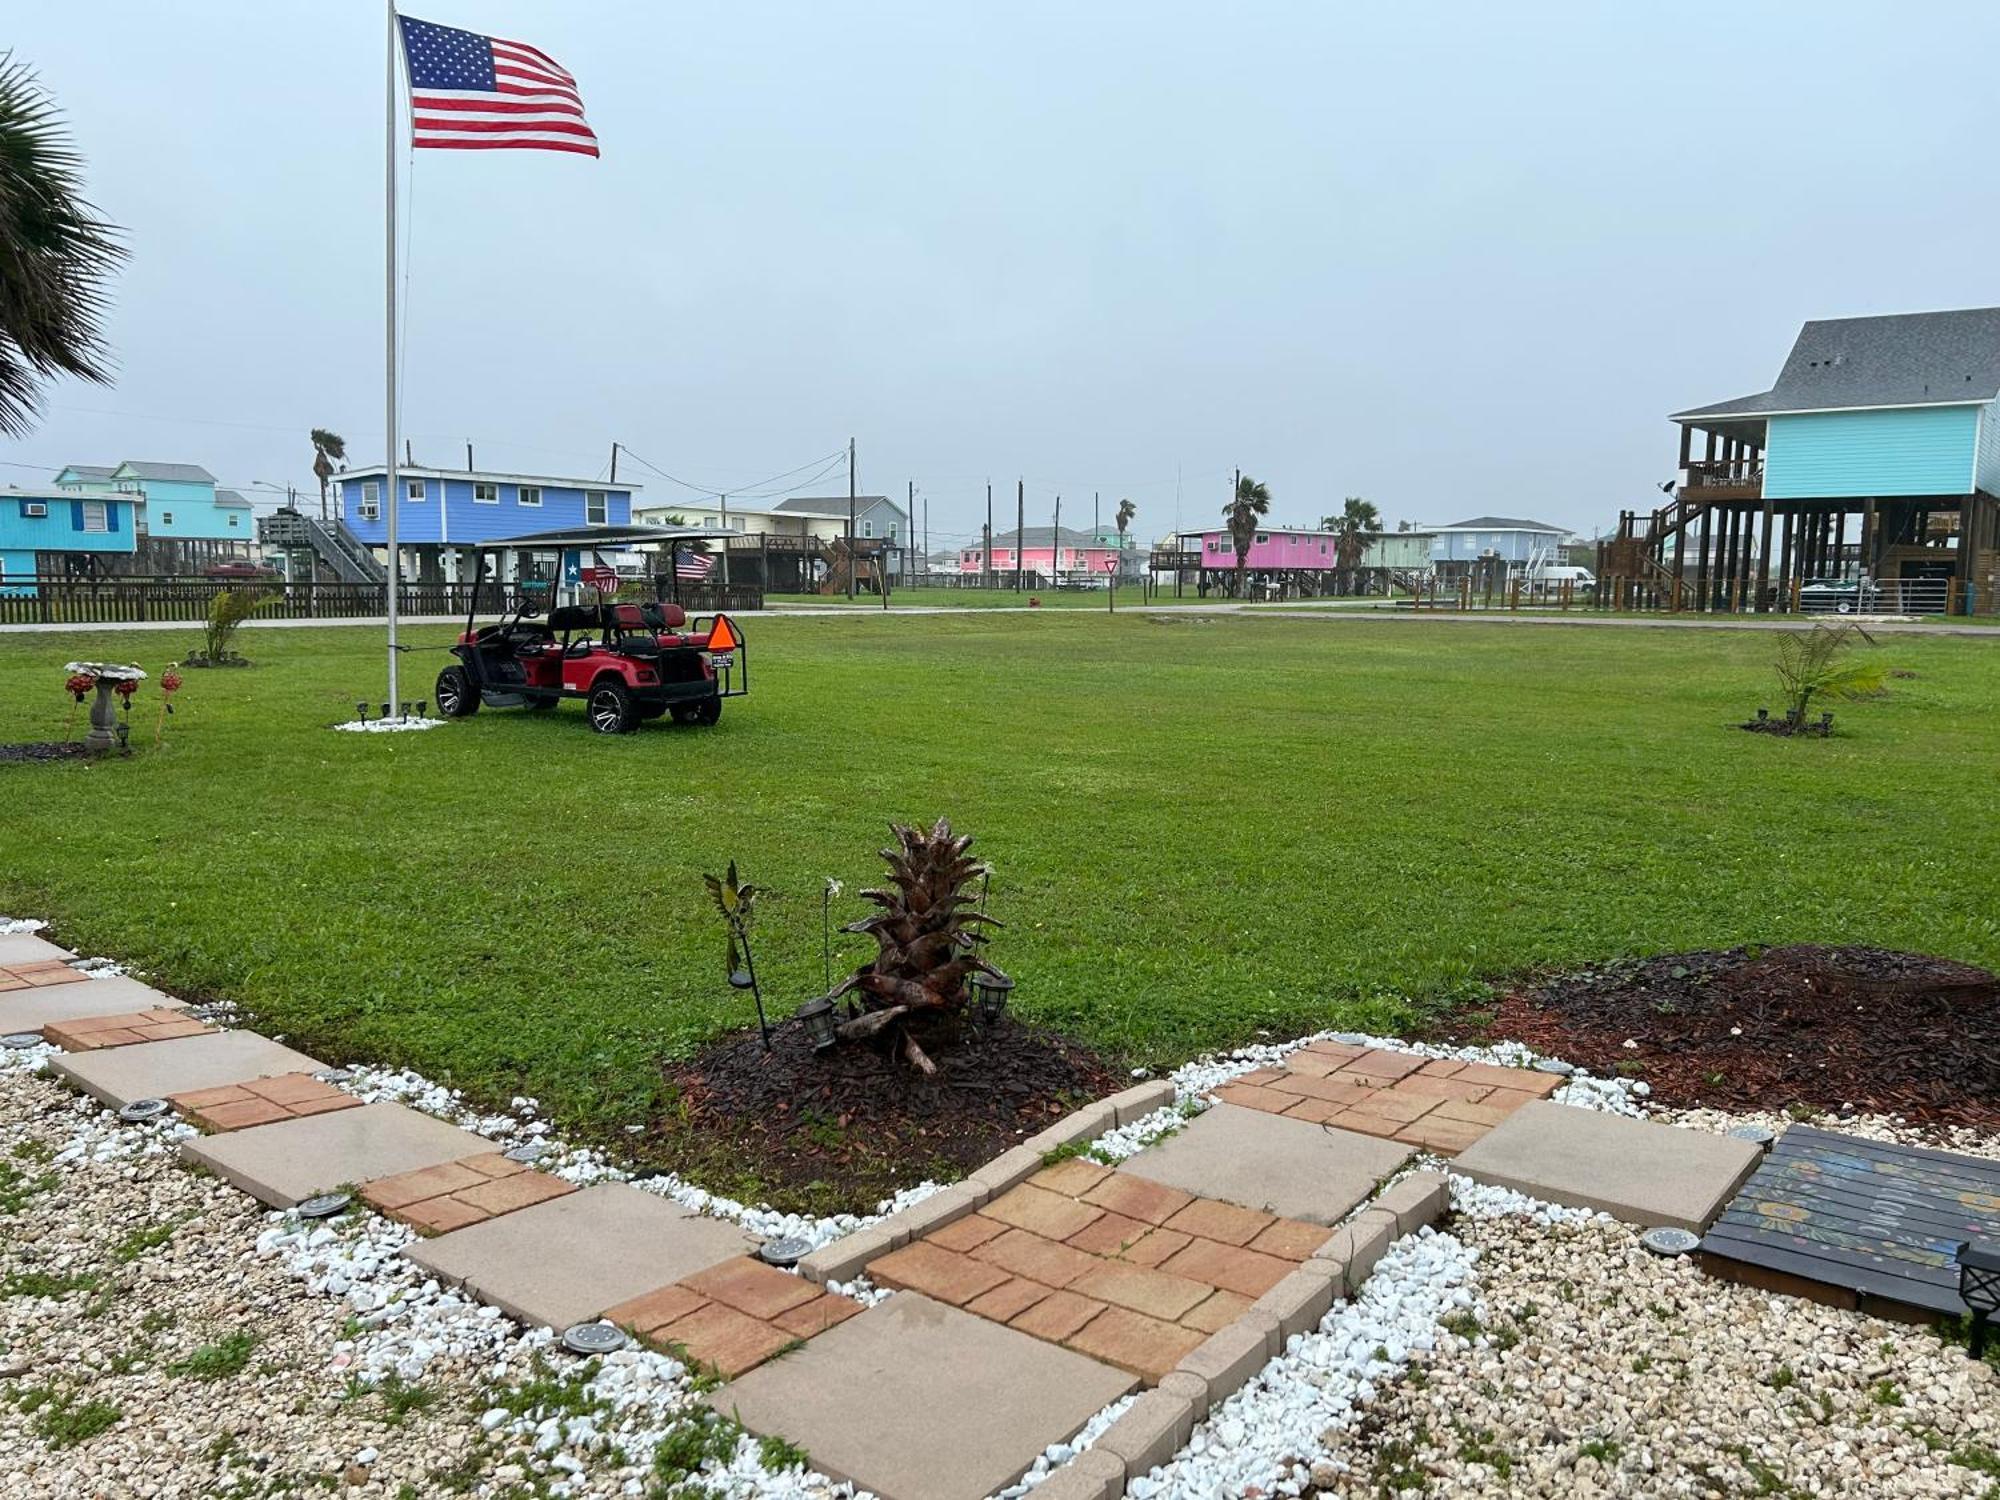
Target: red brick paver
(38, 975)
(734, 1316)
(453, 1194)
(261, 1101)
(88, 1033)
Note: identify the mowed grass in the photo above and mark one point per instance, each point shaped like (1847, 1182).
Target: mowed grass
(1205, 829)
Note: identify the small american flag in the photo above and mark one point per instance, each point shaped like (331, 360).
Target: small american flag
(479, 93)
(692, 565)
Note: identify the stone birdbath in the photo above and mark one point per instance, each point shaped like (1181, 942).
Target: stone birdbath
(103, 718)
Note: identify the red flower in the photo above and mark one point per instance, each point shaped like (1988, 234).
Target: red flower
(78, 684)
(170, 682)
(125, 687)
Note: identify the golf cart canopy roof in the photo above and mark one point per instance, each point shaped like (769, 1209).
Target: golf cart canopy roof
(605, 536)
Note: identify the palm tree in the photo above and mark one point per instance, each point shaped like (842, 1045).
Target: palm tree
(1358, 518)
(1126, 511)
(1250, 501)
(329, 448)
(55, 254)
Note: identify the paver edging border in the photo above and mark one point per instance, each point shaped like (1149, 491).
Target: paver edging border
(844, 1258)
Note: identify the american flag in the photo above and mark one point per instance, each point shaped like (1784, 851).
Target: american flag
(479, 93)
(692, 565)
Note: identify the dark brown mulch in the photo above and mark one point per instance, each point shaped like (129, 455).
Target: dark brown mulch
(43, 750)
(1896, 1033)
(842, 1129)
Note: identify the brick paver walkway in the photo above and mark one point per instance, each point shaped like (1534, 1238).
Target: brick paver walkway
(1128, 1271)
(1442, 1106)
(37, 973)
(437, 1200)
(88, 1033)
(259, 1101)
(734, 1316)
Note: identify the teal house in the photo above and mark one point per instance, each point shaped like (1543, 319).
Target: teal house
(1872, 463)
(186, 522)
(53, 533)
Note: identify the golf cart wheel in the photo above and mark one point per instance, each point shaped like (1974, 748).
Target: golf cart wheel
(1844, 607)
(611, 708)
(704, 712)
(454, 694)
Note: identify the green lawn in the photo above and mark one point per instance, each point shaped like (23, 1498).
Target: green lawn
(1205, 828)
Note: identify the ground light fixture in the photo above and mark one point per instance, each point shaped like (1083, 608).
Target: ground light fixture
(990, 994)
(786, 1252)
(324, 1206)
(362, 710)
(817, 1017)
(1756, 1135)
(21, 1041)
(139, 1111)
(594, 1338)
(1667, 1240)
(1979, 1287)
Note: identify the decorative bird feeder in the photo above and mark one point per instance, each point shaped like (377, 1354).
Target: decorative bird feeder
(990, 994)
(1979, 1287)
(107, 677)
(817, 1017)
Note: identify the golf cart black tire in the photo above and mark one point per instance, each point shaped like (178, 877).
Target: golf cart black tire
(610, 708)
(702, 713)
(454, 694)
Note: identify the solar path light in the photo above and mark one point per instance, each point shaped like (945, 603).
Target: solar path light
(1979, 1287)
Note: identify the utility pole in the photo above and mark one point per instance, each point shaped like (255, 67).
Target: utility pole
(986, 552)
(1055, 546)
(614, 463)
(468, 458)
(1095, 520)
(910, 514)
(1020, 527)
(725, 541)
(850, 520)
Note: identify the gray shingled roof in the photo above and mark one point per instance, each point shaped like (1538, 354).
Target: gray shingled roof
(91, 471)
(186, 473)
(1905, 359)
(1500, 523)
(835, 505)
(1038, 536)
(230, 497)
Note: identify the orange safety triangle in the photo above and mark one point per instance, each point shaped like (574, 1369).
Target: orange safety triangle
(722, 635)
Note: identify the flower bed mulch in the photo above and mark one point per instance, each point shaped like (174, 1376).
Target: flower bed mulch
(1749, 1028)
(839, 1130)
(43, 750)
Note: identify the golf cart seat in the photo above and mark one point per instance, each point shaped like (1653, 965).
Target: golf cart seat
(665, 621)
(628, 632)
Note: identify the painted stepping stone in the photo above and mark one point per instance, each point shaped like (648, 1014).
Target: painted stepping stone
(118, 1075)
(915, 1400)
(1283, 1166)
(283, 1163)
(31, 1010)
(567, 1260)
(1636, 1170)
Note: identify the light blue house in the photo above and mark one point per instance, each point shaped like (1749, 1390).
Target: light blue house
(1875, 455)
(184, 520)
(444, 510)
(47, 533)
(1497, 547)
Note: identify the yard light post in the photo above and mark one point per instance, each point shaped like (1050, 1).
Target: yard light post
(817, 1017)
(1979, 1288)
(990, 994)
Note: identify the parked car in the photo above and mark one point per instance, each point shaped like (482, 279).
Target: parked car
(239, 569)
(1843, 596)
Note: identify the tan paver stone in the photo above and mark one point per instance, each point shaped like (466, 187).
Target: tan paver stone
(1367, 1122)
(1394, 1104)
(1138, 1198)
(51, 971)
(1251, 1273)
(1148, 1347)
(942, 1274)
(1420, 1083)
(1335, 1090)
(228, 1093)
(1219, 1311)
(1507, 1099)
(1078, 1125)
(1141, 1100)
(1072, 1178)
(27, 948)
(1382, 1063)
(967, 1234)
(1205, 1218)
(1287, 1167)
(725, 1340)
(440, 1215)
(336, 1100)
(290, 1088)
(506, 1195)
(1041, 1212)
(1259, 1075)
(1109, 1235)
(282, 1163)
(493, 1164)
(656, 1309)
(1416, 1200)
(1009, 1300)
(1470, 1114)
(176, 1068)
(86, 1033)
(1227, 1359)
(1253, 1096)
(1029, 1255)
(1151, 1430)
(1636, 1170)
(1007, 1170)
(914, 1400)
(809, 1319)
(565, 1261)
(1309, 1064)
(1089, 1476)
(1439, 1134)
(1057, 1316)
(1158, 1294)
(1302, 1298)
(1340, 1052)
(1314, 1111)
(238, 1116)
(1524, 1080)
(1155, 1247)
(1290, 1239)
(751, 1287)
(415, 1187)
(846, 1256)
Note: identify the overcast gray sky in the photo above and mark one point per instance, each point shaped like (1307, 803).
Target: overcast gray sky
(1455, 258)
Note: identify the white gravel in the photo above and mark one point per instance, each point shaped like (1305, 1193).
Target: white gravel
(390, 726)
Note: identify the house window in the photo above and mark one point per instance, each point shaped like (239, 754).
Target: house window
(166, 518)
(371, 503)
(234, 520)
(486, 494)
(94, 518)
(531, 494)
(34, 509)
(1263, 537)
(416, 490)
(868, 528)
(595, 513)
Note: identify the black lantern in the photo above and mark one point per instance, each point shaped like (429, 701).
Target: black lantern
(423, 708)
(362, 709)
(990, 993)
(1979, 1287)
(385, 710)
(817, 1018)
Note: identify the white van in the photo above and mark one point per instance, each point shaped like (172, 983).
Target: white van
(1581, 581)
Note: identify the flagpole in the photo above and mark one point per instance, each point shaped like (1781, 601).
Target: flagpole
(389, 216)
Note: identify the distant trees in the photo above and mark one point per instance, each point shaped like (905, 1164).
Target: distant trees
(1126, 511)
(1357, 521)
(1250, 502)
(56, 254)
(329, 451)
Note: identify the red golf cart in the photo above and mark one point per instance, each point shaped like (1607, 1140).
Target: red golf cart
(629, 663)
